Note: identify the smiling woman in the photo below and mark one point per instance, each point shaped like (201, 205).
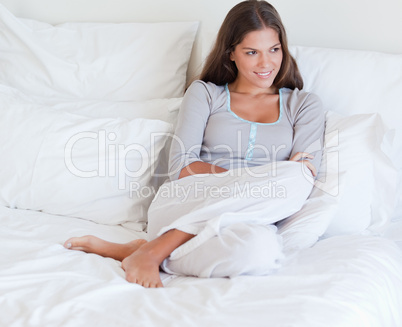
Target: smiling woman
(253, 95)
(220, 68)
(247, 111)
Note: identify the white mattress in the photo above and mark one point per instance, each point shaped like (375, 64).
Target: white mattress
(341, 281)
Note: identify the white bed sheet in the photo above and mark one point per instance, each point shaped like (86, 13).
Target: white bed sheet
(341, 281)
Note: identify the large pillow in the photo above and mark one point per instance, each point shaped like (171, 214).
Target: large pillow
(354, 82)
(161, 109)
(367, 200)
(355, 189)
(392, 146)
(305, 227)
(123, 62)
(66, 164)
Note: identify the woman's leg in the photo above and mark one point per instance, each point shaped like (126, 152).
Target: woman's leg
(140, 259)
(238, 249)
(93, 244)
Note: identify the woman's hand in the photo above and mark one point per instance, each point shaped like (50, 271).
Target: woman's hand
(200, 167)
(300, 156)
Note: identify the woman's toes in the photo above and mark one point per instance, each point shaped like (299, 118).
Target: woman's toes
(69, 243)
(155, 285)
(78, 243)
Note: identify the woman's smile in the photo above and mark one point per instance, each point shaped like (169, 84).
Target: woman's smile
(264, 74)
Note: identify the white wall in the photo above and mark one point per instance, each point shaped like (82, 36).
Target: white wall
(351, 24)
(348, 24)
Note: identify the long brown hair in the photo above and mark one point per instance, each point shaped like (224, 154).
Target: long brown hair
(246, 17)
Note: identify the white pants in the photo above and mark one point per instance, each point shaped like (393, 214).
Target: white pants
(241, 249)
(234, 232)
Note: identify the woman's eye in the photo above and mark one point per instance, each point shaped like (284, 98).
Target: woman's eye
(251, 52)
(275, 50)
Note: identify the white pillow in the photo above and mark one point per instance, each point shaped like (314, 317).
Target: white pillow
(122, 62)
(355, 189)
(367, 200)
(161, 109)
(305, 227)
(354, 82)
(392, 146)
(66, 164)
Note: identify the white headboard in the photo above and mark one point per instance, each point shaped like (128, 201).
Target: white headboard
(357, 24)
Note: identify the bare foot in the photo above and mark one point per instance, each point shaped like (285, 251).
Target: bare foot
(93, 244)
(141, 268)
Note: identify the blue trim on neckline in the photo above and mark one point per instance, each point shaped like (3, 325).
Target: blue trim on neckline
(249, 121)
(251, 141)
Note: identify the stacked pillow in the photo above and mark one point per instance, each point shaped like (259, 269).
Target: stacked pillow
(87, 110)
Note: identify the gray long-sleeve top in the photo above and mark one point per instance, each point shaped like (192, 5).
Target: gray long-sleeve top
(208, 130)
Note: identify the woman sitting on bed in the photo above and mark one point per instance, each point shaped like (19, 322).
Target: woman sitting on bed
(246, 111)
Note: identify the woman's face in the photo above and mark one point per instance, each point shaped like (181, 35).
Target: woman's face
(258, 59)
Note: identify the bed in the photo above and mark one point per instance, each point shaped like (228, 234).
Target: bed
(88, 111)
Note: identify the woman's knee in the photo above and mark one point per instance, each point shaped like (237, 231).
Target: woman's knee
(256, 250)
(240, 249)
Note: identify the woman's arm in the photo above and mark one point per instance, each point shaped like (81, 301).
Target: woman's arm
(308, 137)
(187, 142)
